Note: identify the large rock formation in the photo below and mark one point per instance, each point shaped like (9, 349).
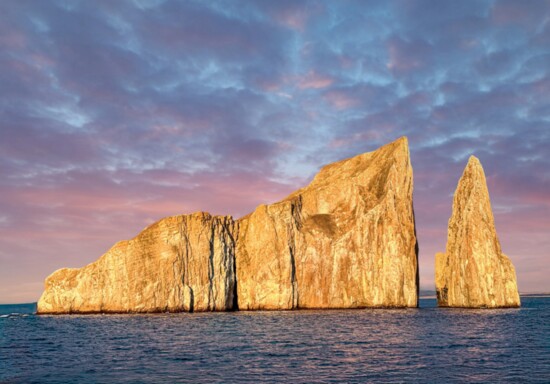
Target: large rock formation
(345, 241)
(474, 272)
(180, 263)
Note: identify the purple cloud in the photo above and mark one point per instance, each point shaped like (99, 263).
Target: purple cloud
(119, 113)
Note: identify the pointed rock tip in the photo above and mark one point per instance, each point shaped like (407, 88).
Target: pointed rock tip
(474, 161)
(401, 144)
(403, 141)
(474, 167)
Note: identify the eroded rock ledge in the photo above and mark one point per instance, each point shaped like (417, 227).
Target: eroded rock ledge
(347, 240)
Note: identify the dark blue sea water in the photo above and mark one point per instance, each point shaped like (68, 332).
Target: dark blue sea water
(413, 345)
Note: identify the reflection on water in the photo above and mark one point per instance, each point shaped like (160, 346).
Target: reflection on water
(414, 345)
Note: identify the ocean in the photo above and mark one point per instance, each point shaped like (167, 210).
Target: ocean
(422, 345)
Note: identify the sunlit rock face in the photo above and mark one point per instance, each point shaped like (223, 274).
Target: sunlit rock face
(347, 240)
(180, 263)
(474, 272)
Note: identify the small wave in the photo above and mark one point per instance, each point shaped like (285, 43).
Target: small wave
(14, 315)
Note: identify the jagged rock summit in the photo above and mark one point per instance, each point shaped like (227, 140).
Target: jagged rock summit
(473, 272)
(347, 240)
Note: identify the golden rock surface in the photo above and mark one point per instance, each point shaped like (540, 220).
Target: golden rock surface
(347, 240)
(180, 263)
(473, 272)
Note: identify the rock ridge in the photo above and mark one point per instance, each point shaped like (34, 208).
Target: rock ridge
(347, 240)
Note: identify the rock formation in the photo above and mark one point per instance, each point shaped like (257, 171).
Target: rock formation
(347, 240)
(180, 263)
(474, 272)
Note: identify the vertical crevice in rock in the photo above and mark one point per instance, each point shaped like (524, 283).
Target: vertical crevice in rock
(191, 300)
(235, 298)
(296, 213)
(225, 264)
(229, 265)
(184, 257)
(441, 295)
(294, 285)
(211, 298)
(416, 252)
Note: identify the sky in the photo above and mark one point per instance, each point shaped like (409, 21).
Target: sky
(114, 114)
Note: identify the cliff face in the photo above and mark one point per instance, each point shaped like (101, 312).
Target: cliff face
(474, 272)
(181, 263)
(345, 241)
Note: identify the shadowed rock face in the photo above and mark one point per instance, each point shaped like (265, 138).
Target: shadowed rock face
(345, 241)
(474, 272)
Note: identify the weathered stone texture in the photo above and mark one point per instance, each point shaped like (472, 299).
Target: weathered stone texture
(180, 263)
(347, 240)
(473, 272)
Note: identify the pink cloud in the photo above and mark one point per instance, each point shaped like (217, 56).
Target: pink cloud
(294, 15)
(515, 12)
(293, 19)
(314, 80)
(367, 137)
(12, 40)
(341, 100)
(406, 56)
(345, 62)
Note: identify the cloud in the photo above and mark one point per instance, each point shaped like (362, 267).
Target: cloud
(117, 114)
(314, 80)
(407, 56)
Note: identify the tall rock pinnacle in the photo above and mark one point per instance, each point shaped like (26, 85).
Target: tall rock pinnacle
(347, 240)
(473, 272)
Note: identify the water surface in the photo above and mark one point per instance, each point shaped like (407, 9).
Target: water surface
(413, 345)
